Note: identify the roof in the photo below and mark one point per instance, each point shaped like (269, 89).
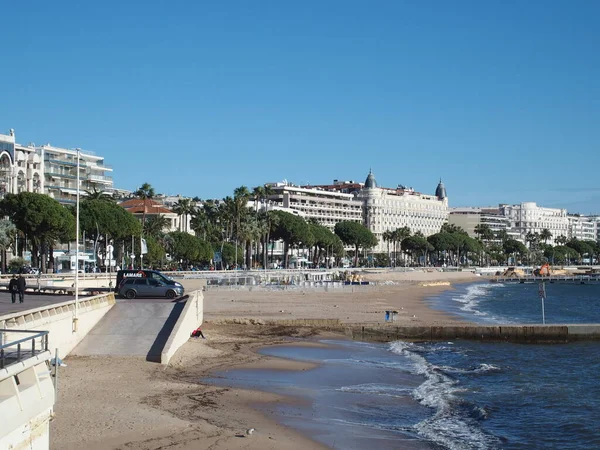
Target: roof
(148, 206)
(370, 181)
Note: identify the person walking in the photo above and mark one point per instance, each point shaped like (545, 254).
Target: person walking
(12, 287)
(21, 285)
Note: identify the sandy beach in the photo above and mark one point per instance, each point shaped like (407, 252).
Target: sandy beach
(134, 404)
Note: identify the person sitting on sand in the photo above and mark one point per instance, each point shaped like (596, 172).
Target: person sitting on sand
(198, 333)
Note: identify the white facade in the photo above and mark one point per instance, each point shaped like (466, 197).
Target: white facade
(389, 209)
(379, 209)
(583, 228)
(328, 207)
(529, 217)
(21, 168)
(60, 173)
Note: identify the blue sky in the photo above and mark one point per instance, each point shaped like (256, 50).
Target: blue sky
(499, 98)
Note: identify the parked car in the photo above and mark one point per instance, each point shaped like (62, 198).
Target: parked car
(148, 287)
(144, 273)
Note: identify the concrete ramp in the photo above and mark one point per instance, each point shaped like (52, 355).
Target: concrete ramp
(133, 328)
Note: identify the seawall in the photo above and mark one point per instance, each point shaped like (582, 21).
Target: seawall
(492, 333)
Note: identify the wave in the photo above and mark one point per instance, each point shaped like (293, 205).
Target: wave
(377, 389)
(455, 422)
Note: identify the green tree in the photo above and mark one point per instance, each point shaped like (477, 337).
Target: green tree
(184, 208)
(145, 192)
(42, 220)
(514, 247)
(355, 234)
(292, 230)
(186, 248)
(8, 231)
(545, 235)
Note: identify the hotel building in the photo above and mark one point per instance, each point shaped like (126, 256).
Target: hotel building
(388, 209)
(380, 209)
(21, 168)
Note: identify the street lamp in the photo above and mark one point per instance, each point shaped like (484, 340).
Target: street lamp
(76, 317)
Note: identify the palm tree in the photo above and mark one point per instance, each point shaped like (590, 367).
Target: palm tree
(145, 193)
(95, 194)
(561, 240)
(155, 225)
(184, 208)
(241, 195)
(545, 235)
(399, 234)
(388, 236)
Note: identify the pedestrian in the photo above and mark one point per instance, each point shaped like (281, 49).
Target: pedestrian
(198, 333)
(12, 287)
(21, 284)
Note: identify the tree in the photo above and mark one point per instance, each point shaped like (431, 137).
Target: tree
(355, 234)
(42, 220)
(104, 221)
(95, 194)
(292, 230)
(156, 225)
(145, 192)
(398, 236)
(512, 246)
(184, 208)
(545, 235)
(8, 231)
(186, 248)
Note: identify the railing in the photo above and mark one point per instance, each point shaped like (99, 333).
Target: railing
(13, 351)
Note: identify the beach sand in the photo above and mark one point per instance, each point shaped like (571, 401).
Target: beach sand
(129, 403)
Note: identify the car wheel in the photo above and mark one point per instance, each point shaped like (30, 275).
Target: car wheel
(171, 294)
(130, 294)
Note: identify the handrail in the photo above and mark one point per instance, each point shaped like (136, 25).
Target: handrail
(18, 355)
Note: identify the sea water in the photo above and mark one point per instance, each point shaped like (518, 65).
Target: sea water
(450, 395)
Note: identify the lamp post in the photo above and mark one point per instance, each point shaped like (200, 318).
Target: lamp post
(76, 317)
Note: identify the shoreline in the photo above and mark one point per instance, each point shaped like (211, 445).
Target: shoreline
(130, 403)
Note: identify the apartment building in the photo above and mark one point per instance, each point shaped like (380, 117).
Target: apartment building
(327, 206)
(584, 228)
(21, 167)
(469, 218)
(529, 217)
(60, 173)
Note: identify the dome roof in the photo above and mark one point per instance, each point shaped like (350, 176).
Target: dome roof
(440, 191)
(370, 181)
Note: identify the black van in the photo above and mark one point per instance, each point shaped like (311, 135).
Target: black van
(143, 273)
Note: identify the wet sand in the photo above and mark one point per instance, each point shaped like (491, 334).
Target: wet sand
(129, 403)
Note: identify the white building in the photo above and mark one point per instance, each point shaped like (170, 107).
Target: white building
(60, 173)
(327, 206)
(388, 209)
(528, 217)
(583, 228)
(468, 218)
(21, 168)
(380, 209)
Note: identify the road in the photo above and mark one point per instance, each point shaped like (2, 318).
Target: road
(32, 301)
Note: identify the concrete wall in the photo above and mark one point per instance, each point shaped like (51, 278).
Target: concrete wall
(191, 318)
(26, 407)
(507, 333)
(58, 320)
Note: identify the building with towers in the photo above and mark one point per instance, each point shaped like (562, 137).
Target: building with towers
(387, 209)
(380, 209)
